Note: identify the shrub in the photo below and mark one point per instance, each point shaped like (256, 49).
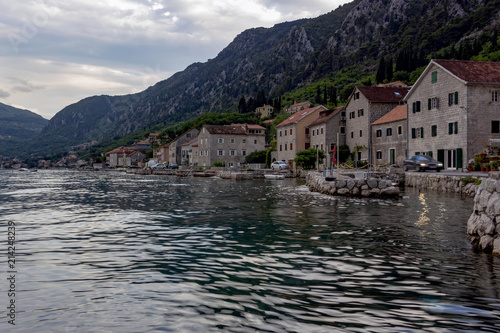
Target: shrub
(219, 164)
(470, 180)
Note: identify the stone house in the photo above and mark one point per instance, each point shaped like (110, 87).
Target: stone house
(124, 156)
(187, 152)
(265, 111)
(389, 137)
(453, 110)
(161, 154)
(366, 105)
(293, 134)
(175, 148)
(325, 130)
(297, 107)
(228, 143)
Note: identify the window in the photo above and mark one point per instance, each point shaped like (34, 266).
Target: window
(244, 141)
(495, 126)
(434, 130)
(379, 155)
(416, 106)
(291, 146)
(356, 96)
(232, 153)
(494, 96)
(220, 152)
(352, 114)
(286, 132)
(290, 131)
(322, 147)
(281, 133)
(230, 164)
(188, 135)
(400, 130)
(342, 129)
(433, 103)
(332, 146)
(321, 130)
(361, 113)
(314, 132)
(434, 77)
(453, 98)
(285, 146)
(360, 133)
(281, 147)
(220, 140)
(389, 132)
(352, 135)
(232, 140)
(243, 153)
(417, 133)
(379, 133)
(453, 128)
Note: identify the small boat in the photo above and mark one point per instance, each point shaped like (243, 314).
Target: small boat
(274, 176)
(23, 169)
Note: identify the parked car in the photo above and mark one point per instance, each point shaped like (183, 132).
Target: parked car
(174, 166)
(159, 166)
(422, 163)
(279, 165)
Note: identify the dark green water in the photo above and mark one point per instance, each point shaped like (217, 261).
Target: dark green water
(107, 252)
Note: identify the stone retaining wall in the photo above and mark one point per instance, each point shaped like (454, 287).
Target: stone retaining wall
(367, 188)
(441, 183)
(483, 227)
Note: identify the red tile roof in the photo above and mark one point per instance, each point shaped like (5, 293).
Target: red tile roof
(328, 115)
(296, 117)
(122, 150)
(398, 113)
(472, 71)
(384, 94)
(238, 129)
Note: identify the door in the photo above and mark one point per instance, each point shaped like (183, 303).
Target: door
(392, 153)
(451, 159)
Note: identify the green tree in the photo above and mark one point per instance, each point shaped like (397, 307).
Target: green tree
(381, 71)
(256, 157)
(306, 159)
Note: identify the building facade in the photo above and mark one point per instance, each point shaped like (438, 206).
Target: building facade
(228, 143)
(265, 111)
(366, 105)
(389, 137)
(175, 149)
(297, 107)
(453, 110)
(325, 131)
(293, 134)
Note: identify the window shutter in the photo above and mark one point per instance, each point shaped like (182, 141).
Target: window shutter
(413, 107)
(456, 127)
(440, 155)
(450, 128)
(429, 104)
(429, 153)
(422, 132)
(456, 97)
(413, 133)
(418, 106)
(459, 158)
(450, 99)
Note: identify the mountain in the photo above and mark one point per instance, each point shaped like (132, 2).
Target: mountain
(17, 124)
(280, 59)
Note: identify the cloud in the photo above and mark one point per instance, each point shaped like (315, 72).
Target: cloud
(20, 85)
(4, 94)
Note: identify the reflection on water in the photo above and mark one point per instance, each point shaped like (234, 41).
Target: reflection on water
(119, 253)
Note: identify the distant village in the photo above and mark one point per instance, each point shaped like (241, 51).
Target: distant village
(451, 113)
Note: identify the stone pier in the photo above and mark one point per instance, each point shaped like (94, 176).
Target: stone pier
(367, 188)
(440, 183)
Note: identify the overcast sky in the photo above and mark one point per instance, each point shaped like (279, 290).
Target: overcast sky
(54, 53)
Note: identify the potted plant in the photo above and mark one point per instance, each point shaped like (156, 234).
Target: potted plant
(487, 167)
(494, 166)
